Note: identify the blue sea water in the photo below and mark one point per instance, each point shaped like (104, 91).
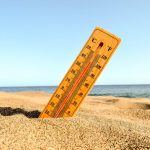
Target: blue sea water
(98, 90)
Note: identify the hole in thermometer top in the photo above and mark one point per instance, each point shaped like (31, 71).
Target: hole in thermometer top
(82, 74)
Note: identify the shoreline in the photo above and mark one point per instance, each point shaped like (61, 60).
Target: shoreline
(129, 91)
(89, 95)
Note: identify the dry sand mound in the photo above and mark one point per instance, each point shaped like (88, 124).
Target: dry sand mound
(99, 124)
(131, 105)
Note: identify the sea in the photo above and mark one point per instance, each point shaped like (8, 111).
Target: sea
(130, 91)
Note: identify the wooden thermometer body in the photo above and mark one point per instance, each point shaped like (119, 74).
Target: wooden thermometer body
(82, 74)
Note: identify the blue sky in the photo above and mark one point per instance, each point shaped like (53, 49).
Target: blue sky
(39, 40)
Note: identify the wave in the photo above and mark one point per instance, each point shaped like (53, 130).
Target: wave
(129, 91)
(123, 95)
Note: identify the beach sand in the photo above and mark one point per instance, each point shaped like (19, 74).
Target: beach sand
(100, 123)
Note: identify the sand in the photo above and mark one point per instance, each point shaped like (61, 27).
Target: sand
(101, 123)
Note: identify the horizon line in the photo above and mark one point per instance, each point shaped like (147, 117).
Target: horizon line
(58, 85)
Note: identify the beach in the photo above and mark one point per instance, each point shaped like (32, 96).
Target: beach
(102, 122)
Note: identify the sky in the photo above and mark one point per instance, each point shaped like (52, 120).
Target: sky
(39, 40)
